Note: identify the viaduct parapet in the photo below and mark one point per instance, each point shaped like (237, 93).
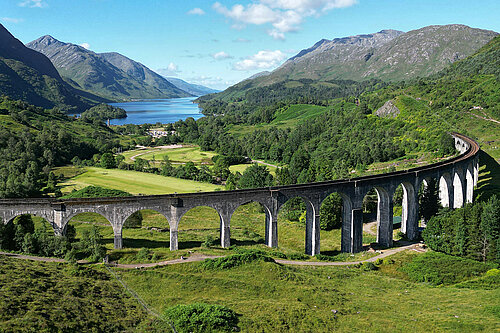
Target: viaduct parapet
(456, 178)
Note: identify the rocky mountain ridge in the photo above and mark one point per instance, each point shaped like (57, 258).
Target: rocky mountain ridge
(30, 76)
(110, 75)
(389, 55)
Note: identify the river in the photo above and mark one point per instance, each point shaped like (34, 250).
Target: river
(151, 111)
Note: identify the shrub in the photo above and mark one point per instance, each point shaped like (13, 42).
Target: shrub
(200, 317)
(486, 282)
(368, 266)
(143, 254)
(235, 260)
(439, 268)
(209, 241)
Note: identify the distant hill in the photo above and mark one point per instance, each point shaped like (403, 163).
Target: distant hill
(193, 89)
(388, 55)
(30, 76)
(110, 75)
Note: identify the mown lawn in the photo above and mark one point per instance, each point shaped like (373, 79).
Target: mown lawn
(190, 153)
(134, 182)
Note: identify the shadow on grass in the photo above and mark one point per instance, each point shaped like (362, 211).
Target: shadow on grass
(136, 243)
(489, 177)
(247, 242)
(331, 253)
(191, 244)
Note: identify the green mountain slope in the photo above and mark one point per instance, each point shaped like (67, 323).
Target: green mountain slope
(110, 75)
(30, 76)
(141, 72)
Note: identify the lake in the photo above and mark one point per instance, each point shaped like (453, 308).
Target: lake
(151, 111)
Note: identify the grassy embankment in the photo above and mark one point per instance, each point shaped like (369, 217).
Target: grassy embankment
(54, 297)
(275, 298)
(268, 297)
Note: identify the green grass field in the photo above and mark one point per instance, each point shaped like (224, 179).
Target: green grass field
(289, 118)
(134, 182)
(190, 153)
(274, 298)
(242, 167)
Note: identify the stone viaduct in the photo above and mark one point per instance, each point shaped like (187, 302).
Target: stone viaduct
(456, 178)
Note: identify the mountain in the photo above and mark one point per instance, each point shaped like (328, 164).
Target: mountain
(110, 75)
(388, 55)
(193, 89)
(30, 76)
(139, 71)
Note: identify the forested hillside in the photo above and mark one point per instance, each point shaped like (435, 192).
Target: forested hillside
(34, 140)
(465, 97)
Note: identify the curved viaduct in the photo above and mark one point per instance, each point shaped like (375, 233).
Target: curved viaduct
(456, 178)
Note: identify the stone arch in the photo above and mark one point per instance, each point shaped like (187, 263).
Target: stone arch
(223, 222)
(469, 183)
(159, 231)
(265, 228)
(117, 241)
(409, 210)
(345, 217)
(8, 217)
(459, 187)
(446, 195)
(67, 218)
(288, 228)
(384, 215)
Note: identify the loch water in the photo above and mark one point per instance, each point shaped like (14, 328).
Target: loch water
(151, 111)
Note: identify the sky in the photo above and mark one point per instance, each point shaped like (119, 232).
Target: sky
(219, 43)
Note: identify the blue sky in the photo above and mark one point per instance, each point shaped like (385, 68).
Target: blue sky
(219, 43)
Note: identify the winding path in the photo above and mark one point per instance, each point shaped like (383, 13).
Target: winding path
(200, 257)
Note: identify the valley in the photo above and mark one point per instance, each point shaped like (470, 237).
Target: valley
(268, 195)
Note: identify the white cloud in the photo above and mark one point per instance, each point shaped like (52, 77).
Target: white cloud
(196, 11)
(212, 82)
(283, 15)
(261, 60)
(12, 19)
(85, 46)
(221, 55)
(33, 4)
(171, 70)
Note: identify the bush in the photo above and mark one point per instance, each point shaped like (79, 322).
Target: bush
(439, 268)
(209, 241)
(235, 260)
(96, 192)
(143, 254)
(200, 317)
(368, 266)
(486, 282)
